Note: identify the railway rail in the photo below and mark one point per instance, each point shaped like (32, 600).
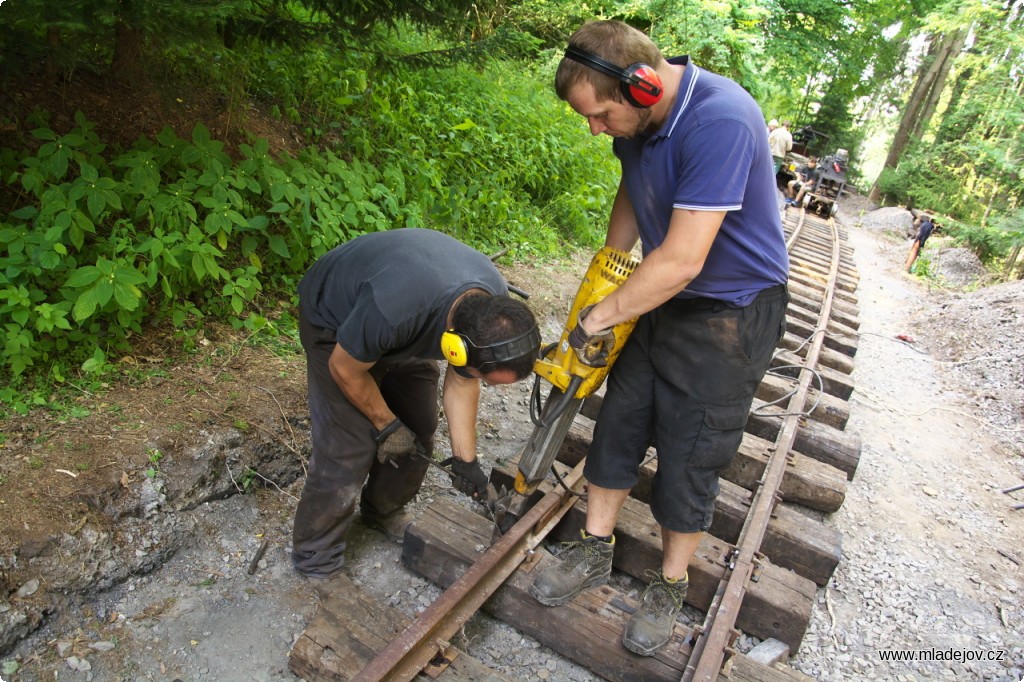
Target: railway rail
(758, 572)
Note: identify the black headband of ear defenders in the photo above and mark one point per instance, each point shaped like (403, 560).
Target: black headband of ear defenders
(480, 357)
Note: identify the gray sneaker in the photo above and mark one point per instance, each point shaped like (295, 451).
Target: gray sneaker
(582, 563)
(651, 625)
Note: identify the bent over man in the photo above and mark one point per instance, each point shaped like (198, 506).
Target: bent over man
(698, 191)
(375, 313)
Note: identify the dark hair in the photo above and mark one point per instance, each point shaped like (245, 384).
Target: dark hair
(612, 41)
(487, 320)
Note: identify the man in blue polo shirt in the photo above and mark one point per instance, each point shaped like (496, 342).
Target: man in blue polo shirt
(698, 192)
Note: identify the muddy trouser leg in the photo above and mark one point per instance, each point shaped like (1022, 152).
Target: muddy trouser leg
(342, 451)
(410, 389)
(344, 454)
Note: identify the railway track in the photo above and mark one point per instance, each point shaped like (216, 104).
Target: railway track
(757, 572)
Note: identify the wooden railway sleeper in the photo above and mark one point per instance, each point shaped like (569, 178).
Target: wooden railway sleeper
(710, 648)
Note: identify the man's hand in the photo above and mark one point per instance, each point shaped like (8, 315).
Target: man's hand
(468, 477)
(395, 441)
(591, 349)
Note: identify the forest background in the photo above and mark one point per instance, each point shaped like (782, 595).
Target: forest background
(168, 166)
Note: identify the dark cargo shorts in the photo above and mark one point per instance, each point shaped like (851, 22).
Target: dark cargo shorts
(684, 383)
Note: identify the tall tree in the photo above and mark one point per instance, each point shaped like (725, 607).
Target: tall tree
(931, 80)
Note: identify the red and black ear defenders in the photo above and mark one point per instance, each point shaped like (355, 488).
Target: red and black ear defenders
(640, 83)
(461, 352)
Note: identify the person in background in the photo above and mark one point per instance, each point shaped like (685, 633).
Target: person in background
(698, 192)
(924, 230)
(376, 314)
(780, 141)
(805, 181)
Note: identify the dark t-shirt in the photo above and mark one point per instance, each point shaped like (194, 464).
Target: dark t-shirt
(925, 231)
(809, 174)
(388, 294)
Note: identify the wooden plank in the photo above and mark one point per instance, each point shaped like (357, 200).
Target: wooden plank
(808, 276)
(745, 669)
(808, 313)
(839, 449)
(835, 382)
(350, 628)
(840, 344)
(820, 260)
(825, 408)
(446, 538)
(848, 312)
(777, 605)
(827, 357)
(819, 487)
(793, 540)
(806, 481)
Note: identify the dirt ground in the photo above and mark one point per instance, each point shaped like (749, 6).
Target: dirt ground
(129, 522)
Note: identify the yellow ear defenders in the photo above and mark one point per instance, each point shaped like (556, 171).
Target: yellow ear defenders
(461, 352)
(455, 347)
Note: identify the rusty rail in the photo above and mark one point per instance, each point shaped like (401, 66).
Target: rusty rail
(717, 632)
(414, 648)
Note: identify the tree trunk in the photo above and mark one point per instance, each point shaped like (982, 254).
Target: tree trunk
(950, 47)
(940, 53)
(1011, 263)
(52, 53)
(129, 39)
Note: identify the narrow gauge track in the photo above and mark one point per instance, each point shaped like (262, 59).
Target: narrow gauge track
(763, 561)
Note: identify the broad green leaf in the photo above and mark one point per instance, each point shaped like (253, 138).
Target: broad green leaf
(127, 296)
(83, 276)
(279, 246)
(85, 306)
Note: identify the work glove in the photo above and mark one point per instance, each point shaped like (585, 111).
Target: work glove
(591, 349)
(467, 477)
(395, 441)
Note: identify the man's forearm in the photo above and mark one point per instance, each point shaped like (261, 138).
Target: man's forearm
(355, 381)
(461, 398)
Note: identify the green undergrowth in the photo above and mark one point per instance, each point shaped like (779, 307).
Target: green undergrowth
(98, 245)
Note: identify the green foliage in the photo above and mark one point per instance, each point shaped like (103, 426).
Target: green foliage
(922, 267)
(101, 243)
(892, 186)
(989, 244)
(154, 456)
(360, 16)
(1012, 228)
(170, 230)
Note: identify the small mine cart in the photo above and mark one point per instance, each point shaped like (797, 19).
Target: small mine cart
(830, 185)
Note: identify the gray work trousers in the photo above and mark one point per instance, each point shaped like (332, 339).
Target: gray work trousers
(343, 460)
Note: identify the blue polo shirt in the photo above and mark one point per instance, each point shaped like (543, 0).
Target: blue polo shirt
(711, 154)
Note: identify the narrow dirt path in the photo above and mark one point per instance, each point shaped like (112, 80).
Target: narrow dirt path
(924, 520)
